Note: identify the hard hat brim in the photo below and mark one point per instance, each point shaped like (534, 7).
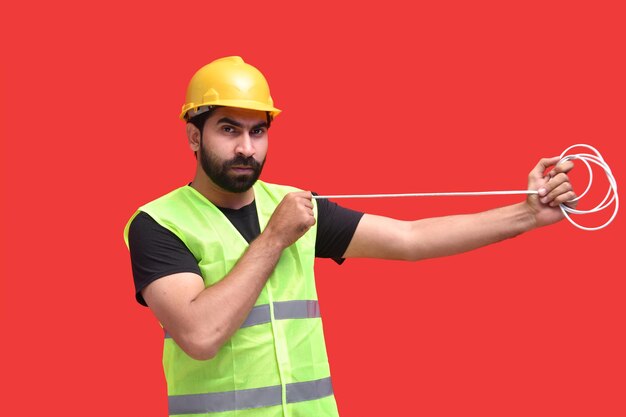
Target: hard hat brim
(242, 104)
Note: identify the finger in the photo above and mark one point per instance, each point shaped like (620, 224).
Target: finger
(560, 189)
(543, 164)
(564, 167)
(306, 226)
(300, 194)
(557, 180)
(552, 185)
(307, 194)
(565, 198)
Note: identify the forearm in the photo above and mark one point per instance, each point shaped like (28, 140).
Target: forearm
(449, 235)
(386, 238)
(218, 311)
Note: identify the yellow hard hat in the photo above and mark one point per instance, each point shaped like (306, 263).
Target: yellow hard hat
(228, 82)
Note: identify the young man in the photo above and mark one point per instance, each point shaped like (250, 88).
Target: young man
(226, 262)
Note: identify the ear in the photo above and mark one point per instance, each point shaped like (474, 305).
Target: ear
(193, 137)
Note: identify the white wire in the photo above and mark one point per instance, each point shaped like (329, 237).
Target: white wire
(586, 158)
(445, 194)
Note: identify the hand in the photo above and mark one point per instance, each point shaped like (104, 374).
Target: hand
(554, 189)
(292, 218)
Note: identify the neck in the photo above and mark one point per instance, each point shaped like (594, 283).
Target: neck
(219, 196)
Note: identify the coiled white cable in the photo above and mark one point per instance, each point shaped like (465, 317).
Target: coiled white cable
(611, 195)
(586, 158)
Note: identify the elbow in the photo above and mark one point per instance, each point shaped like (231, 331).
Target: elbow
(199, 347)
(416, 245)
(410, 245)
(200, 353)
(414, 256)
(413, 251)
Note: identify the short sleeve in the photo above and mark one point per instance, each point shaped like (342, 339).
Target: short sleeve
(156, 252)
(335, 228)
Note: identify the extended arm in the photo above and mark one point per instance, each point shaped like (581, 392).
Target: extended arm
(382, 237)
(201, 319)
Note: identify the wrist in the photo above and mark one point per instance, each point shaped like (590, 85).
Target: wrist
(527, 217)
(271, 240)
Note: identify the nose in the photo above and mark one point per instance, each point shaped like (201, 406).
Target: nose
(244, 146)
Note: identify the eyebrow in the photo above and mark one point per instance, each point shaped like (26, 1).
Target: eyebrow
(230, 121)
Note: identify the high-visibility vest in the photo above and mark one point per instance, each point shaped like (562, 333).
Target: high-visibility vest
(276, 363)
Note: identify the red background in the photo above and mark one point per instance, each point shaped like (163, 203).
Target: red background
(386, 97)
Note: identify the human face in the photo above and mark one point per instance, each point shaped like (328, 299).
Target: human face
(233, 148)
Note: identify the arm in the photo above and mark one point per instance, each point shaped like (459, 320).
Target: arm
(382, 237)
(201, 319)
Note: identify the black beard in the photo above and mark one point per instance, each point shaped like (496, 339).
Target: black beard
(219, 172)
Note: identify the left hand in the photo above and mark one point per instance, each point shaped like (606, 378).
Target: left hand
(554, 189)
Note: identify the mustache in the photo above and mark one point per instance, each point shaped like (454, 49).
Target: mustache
(242, 161)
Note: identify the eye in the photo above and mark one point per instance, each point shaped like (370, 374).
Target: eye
(228, 129)
(257, 131)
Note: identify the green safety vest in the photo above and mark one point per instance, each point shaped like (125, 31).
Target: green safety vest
(276, 363)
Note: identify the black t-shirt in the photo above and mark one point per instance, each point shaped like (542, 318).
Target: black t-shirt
(156, 252)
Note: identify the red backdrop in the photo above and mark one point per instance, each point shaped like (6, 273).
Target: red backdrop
(384, 97)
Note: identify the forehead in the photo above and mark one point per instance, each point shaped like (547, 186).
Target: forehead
(243, 116)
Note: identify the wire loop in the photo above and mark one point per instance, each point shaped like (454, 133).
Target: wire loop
(611, 195)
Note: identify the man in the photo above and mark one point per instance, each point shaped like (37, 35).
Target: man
(226, 262)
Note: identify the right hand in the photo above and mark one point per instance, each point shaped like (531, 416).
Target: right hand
(554, 189)
(292, 218)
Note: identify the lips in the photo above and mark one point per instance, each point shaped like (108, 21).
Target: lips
(242, 168)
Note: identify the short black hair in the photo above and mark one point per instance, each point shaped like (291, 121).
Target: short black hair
(199, 120)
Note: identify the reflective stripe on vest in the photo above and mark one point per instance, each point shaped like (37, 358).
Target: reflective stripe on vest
(283, 310)
(249, 398)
